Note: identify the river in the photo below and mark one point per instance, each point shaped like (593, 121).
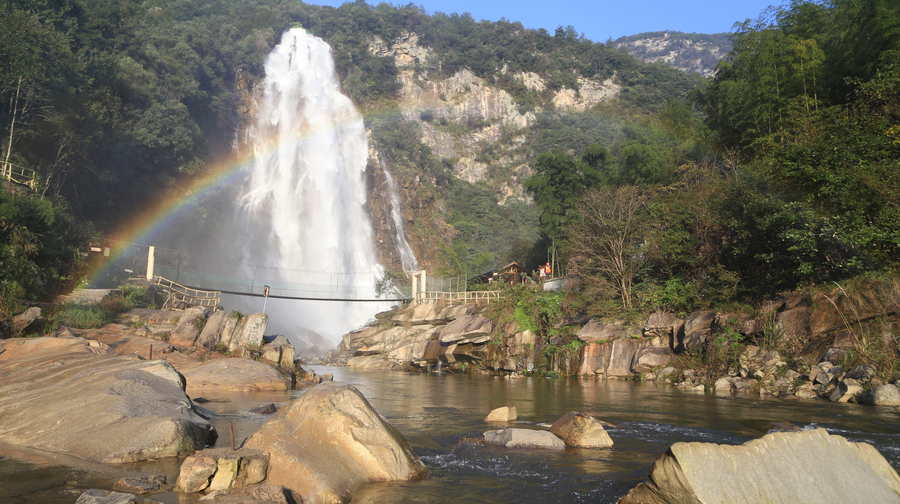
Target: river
(431, 410)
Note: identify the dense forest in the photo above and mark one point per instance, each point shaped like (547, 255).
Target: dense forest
(780, 171)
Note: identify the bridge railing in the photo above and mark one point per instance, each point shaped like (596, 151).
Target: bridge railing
(179, 297)
(459, 297)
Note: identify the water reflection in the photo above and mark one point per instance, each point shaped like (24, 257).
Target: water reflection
(431, 411)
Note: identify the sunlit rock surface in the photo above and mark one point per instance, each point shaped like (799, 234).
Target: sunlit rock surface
(329, 441)
(73, 396)
(783, 467)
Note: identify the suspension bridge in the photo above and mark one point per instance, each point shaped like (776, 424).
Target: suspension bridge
(193, 280)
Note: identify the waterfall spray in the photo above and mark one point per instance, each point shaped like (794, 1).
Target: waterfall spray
(303, 203)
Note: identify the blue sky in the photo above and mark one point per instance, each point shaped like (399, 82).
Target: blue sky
(599, 20)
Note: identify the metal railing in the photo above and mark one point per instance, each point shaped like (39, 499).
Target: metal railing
(459, 297)
(179, 297)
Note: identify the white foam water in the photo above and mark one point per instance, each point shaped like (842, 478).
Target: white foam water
(304, 201)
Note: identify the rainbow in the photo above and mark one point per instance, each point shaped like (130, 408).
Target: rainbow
(143, 230)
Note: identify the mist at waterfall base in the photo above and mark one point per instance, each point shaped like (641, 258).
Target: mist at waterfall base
(299, 223)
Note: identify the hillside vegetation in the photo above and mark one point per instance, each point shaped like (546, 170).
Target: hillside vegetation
(669, 192)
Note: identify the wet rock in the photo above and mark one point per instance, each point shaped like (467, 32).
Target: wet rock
(784, 427)
(262, 494)
(264, 409)
(327, 377)
(580, 430)
(222, 468)
(882, 395)
(196, 473)
(140, 484)
(234, 374)
(802, 393)
(724, 384)
(94, 496)
(329, 441)
(502, 414)
(833, 469)
(475, 439)
(523, 438)
(744, 384)
(56, 393)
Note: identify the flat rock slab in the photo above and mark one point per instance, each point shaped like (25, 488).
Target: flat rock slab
(70, 395)
(162, 318)
(329, 441)
(234, 375)
(782, 467)
(122, 340)
(523, 438)
(94, 496)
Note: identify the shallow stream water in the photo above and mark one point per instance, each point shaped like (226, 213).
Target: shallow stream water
(431, 410)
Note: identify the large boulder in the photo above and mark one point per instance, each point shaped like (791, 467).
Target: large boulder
(595, 358)
(188, 328)
(502, 414)
(782, 467)
(600, 331)
(622, 354)
(248, 332)
(648, 359)
(329, 441)
(26, 321)
(882, 395)
(466, 327)
(221, 469)
(696, 330)
(235, 375)
(523, 438)
(580, 430)
(70, 395)
(211, 334)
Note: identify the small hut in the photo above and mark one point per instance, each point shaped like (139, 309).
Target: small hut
(512, 274)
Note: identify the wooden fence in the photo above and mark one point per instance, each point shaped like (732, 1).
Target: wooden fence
(179, 297)
(19, 175)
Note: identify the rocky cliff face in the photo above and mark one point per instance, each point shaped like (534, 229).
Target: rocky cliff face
(691, 52)
(462, 118)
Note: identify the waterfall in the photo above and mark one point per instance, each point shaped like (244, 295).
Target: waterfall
(302, 211)
(407, 256)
